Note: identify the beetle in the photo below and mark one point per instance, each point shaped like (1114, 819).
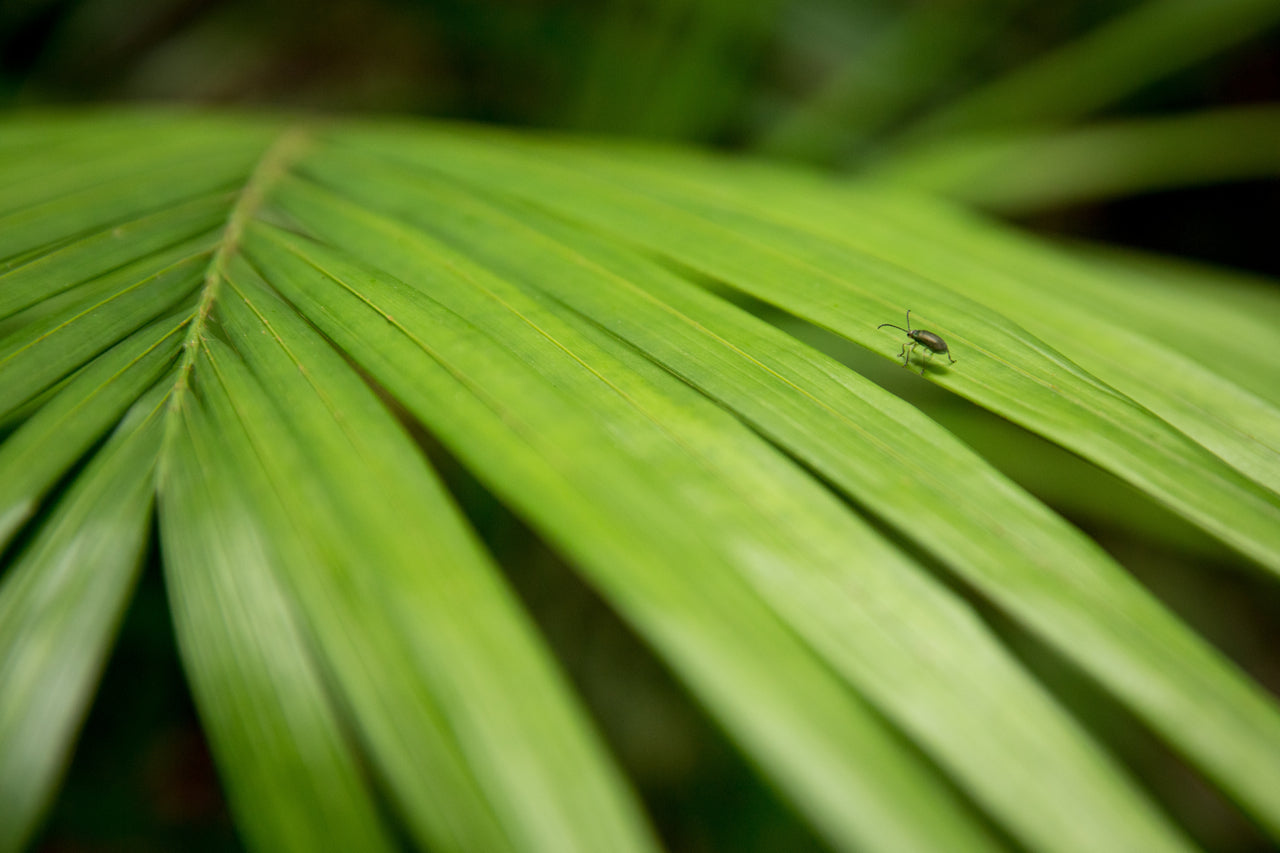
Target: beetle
(932, 342)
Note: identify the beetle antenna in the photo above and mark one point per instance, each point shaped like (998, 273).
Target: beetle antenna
(908, 330)
(899, 328)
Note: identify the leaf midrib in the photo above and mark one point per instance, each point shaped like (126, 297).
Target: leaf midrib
(272, 165)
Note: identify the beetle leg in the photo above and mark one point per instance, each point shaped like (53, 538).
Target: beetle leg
(953, 361)
(903, 355)
(928, 354)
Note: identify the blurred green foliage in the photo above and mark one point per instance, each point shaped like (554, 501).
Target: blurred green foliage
(840, 83)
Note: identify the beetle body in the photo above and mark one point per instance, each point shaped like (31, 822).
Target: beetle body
(930, 341)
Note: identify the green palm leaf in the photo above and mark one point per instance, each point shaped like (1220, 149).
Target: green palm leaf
(232, 322)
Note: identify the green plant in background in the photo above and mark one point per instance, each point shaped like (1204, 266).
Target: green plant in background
(231, 333)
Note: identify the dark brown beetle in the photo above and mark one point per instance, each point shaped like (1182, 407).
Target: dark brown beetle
(932, 343)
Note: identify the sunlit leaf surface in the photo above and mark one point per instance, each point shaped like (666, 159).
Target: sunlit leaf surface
(246, 329)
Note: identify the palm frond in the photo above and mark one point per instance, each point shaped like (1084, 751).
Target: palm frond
(239, 333)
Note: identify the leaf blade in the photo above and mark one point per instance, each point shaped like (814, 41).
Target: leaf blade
(294, 783)
(1110, 650)
(60, 605)
(38, 452)
(508, 713)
